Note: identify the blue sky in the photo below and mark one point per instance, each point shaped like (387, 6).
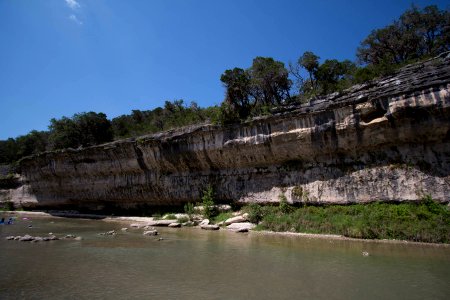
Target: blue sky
(60, 57)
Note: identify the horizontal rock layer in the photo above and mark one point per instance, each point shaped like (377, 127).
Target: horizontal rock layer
(388, 140)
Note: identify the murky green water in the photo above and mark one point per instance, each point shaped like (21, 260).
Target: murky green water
(196, 264)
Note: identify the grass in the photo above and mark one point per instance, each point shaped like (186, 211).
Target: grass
(222, 217)
(427, 221)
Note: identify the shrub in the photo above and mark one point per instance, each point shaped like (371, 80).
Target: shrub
(284, 205)
(189, 209)
(183, 219)
(255, 212)
(208, 202)
(9, 205)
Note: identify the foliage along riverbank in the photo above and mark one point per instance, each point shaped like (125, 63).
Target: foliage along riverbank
(427, 222)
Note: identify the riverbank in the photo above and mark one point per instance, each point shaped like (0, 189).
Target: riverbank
(133, 221)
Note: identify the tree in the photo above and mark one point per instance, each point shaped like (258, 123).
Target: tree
(334, 75)
(8, 151)
(83, 129)
(417, 33)
(237, 85)
(269, 81)
(310, 62)
(32, 143)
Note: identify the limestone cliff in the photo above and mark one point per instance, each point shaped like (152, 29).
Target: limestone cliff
(386, 140)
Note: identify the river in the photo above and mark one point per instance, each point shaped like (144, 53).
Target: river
(196, 264)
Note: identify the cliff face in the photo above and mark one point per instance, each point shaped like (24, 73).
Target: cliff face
(388, 140)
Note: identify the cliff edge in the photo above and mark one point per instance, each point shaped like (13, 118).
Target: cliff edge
(387, 140)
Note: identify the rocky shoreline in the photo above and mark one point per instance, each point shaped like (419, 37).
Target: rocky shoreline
(237, 224)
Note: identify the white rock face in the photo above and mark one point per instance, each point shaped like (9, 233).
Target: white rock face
(387, 140)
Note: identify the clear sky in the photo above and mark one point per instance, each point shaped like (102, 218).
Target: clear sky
(60, 57)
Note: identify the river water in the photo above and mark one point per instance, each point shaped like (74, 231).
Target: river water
(196, 264)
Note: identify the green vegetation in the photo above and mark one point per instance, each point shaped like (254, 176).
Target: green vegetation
(427, 221)
(7, 206)
(189, 210)
(418, 34)
(183, 219)
(208, 203)
(222, 217)
(170, 217)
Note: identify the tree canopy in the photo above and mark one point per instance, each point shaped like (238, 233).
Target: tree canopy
(417, 34)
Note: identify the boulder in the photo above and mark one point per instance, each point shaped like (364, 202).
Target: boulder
(237, 219)
(9, 238)
(70, 236)
(161, 222)
(26, 238)
(241, 227)
(135, 225)
(124, 229)
(174, 225)
(210, 227)
(223, 207)
(204, 222)
(53, 238)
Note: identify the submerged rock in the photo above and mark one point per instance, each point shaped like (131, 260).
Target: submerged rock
(210, 227)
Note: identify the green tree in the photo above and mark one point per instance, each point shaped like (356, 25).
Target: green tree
(83, 129)
(334, 75)
(208, 202)
(310, 62)
(415, 34)
(8, 151)
(269, 81)
(237, 85)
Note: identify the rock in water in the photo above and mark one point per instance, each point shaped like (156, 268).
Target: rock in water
(150, 232)
(26, 238)
(241, 227)
(210, 227)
